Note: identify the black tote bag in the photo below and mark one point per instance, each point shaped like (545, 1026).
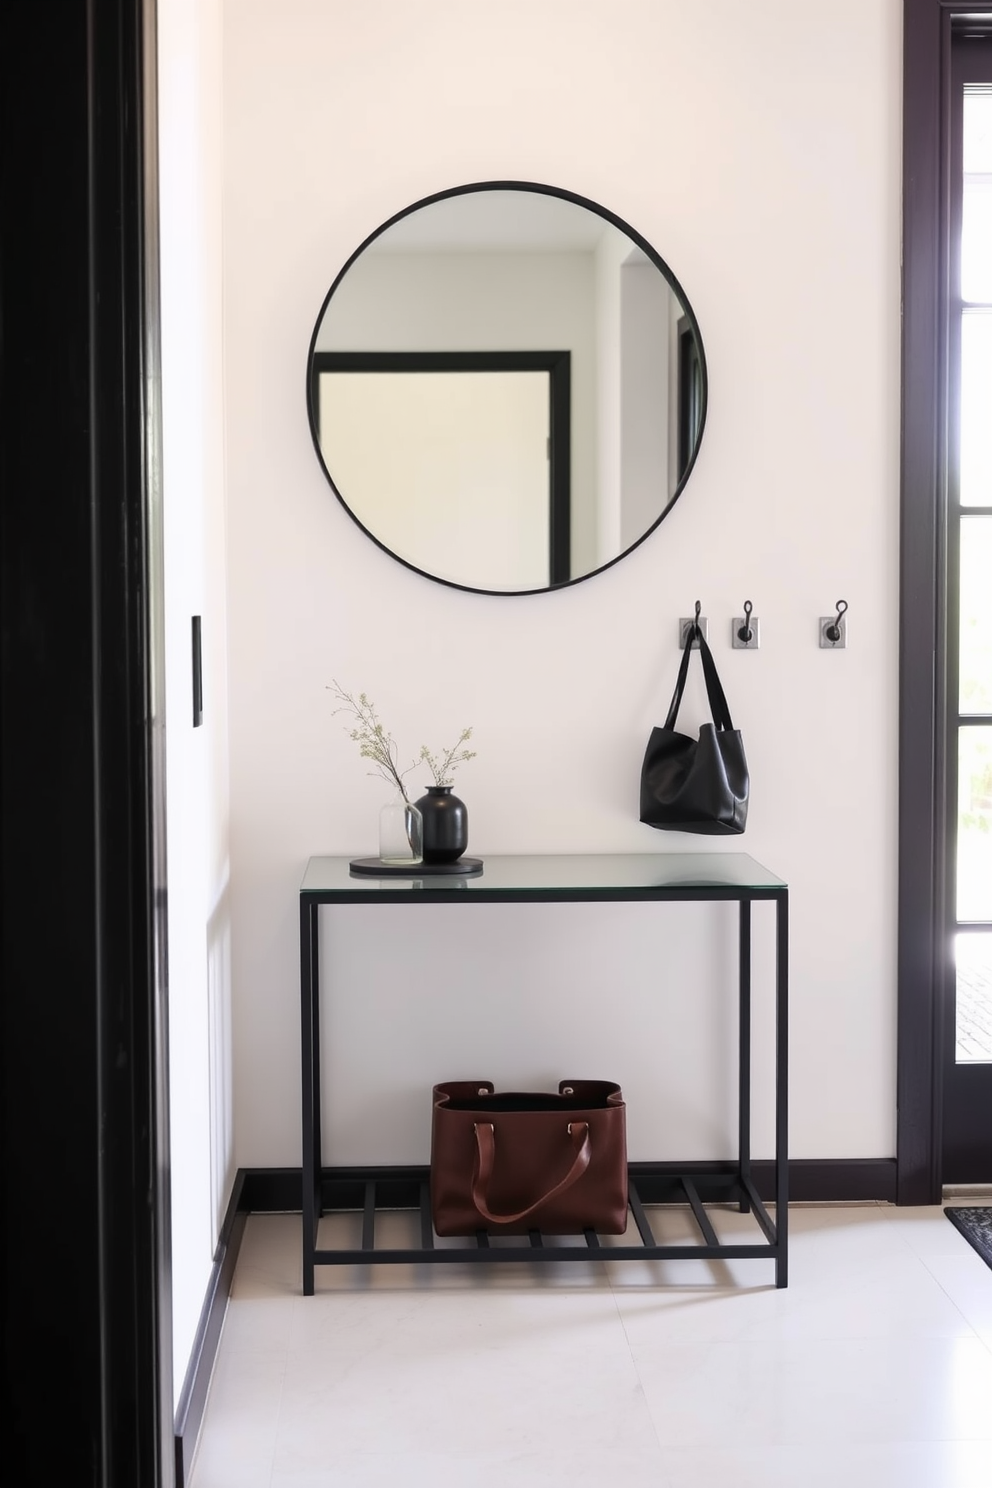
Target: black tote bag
(696, 785)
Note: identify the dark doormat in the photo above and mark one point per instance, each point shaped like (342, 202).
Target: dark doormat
(976, 1227)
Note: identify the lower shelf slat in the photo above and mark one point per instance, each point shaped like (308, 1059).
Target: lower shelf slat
(506, 1253)
(640, 1218)
(400, 1190)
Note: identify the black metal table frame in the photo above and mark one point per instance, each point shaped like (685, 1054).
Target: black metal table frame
(379, 1188)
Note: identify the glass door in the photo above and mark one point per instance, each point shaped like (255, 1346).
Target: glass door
(967, 1140)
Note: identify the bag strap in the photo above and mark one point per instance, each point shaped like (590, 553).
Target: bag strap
(485, 1139)
(676, 703)
(714, 691)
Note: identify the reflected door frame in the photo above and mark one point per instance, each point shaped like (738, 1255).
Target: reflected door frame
(557, 364)
(925, 990)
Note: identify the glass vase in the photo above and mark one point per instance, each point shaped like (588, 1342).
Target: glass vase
(401, 833)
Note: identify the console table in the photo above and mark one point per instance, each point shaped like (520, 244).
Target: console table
(591, 878)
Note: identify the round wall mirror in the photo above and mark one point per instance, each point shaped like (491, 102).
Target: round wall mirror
(506, 387)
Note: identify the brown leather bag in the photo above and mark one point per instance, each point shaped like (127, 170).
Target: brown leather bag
(516, 1162)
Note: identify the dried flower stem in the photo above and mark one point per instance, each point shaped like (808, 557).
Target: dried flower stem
(443, 767)
(373, 742)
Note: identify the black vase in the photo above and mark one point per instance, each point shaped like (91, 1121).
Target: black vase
(445, 825)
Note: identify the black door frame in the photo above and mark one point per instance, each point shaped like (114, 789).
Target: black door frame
(967, 1106)
(927, 28)
(87, 1332)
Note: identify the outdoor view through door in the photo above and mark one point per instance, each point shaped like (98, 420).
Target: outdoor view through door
(968, 1077)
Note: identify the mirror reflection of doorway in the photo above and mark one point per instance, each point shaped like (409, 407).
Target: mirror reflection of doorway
(486, 270)
(467, 458)
(463, 458)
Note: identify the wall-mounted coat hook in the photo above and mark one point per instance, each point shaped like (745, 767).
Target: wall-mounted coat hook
(744, 635)
(687, 629)
(833, 629)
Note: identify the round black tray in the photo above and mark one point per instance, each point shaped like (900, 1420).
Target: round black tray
(376, 868)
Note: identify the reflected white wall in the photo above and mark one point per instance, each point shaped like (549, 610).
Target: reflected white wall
(610, 254)
(646, 311)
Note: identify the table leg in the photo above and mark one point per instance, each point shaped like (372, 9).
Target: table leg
(782, 1087)
(744, 1036)
(310, 1076)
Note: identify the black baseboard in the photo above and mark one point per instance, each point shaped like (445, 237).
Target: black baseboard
(280, 1190)
(193, 1396)
(831, 1180)
(811, 1181)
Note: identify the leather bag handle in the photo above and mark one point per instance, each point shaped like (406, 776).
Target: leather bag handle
(485, 1140)
(714, 690)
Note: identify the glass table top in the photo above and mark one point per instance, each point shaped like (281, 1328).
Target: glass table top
(565, 874)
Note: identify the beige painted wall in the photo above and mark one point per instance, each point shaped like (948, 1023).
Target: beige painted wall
(766, 172)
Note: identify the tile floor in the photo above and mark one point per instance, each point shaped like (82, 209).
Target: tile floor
(874, 1367)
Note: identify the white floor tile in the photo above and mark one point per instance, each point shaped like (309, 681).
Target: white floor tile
(238, 1439)
(473, 1400)
(247, 1383)
(874, 1367)
(260, 1324)
(928, 1232)
(826, 1465)
(897, 1297)
(967, 1282)
(538, 1469)
(807, 1391)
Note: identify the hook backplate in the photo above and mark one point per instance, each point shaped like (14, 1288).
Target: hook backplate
(685, 630)
(829, 625)
(739, 623)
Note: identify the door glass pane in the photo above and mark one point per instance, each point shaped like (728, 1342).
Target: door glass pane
(976, 241)
(977, 131)
(973, 1041)
(976, 400)
(975, 823)
(976, 247)
(976, 615)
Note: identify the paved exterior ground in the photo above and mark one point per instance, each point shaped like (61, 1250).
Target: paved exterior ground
(974, 1006)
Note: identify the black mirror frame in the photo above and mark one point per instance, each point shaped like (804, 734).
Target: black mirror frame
(686, 463)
